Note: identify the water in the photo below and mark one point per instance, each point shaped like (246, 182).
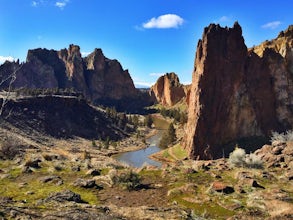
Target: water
(140, 157)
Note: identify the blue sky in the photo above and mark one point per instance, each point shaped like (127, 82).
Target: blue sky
(148, 37)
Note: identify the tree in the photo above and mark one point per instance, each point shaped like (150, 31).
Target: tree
(172, 133)
(169, 137)
(10, 78)
(107, 143)
(148, 121)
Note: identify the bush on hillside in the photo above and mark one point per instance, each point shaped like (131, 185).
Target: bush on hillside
(9, 149)
(282, 137)
(127, 179)
(238, 158)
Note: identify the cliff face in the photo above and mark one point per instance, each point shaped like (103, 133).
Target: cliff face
(106, 78)
(168, 90)
(96, 76)
(236, 93)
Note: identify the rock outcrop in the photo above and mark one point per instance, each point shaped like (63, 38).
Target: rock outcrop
(237, 94)
(168, 90)
(99, 79)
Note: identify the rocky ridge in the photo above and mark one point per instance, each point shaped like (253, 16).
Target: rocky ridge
(168, 90)
(101, 80)
(237, 94)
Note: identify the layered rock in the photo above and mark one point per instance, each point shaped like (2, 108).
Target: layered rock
(235, 93)
(96, 76)
(168, 90)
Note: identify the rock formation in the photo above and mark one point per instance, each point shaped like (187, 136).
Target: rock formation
(238, 94)
(100, 79)
(168, 90)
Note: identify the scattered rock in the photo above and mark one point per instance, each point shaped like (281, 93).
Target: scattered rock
(189, 171)
(5, 200)
(64, 196)
(289, 175)
(54, 179)
(277, 150)
(75, 168)
(93, 172)
(33, 163)
(86, 183)
(26, 169)
(221, 187)
(255, 184)
(243, 175)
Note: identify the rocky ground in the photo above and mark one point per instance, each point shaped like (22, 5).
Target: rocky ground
(73, 180)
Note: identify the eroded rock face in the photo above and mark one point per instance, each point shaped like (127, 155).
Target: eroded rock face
(96, 76)
(168, 90)
(106, 78)
(236, 93)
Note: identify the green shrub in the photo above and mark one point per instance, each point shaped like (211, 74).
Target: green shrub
(127, 179)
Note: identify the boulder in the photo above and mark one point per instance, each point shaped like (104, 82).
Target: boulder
(64, 196)
(86, 183)
(221, 187)
(53, 179)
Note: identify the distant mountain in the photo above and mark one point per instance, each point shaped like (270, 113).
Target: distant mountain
(238, 94)
(101, 80)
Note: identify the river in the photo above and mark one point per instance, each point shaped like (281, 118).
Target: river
(139, 158)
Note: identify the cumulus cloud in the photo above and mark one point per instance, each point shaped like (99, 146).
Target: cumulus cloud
(271, 25)
(61, 4)
(164, 21)
(3, 59)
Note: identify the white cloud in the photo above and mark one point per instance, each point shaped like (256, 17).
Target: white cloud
(271, 25)
(224, 19)
(61, 4)
(164, 21)
(34, 3)
(139, 84)
(84, 54)
(156, 74)
(38, 3)
(3, 59)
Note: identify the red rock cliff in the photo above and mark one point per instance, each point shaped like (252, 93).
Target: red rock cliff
(168, 90)
(236, 94)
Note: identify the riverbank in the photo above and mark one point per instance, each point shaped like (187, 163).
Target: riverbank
(170, 155)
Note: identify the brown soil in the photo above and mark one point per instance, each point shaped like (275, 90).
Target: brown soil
(148, 195)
